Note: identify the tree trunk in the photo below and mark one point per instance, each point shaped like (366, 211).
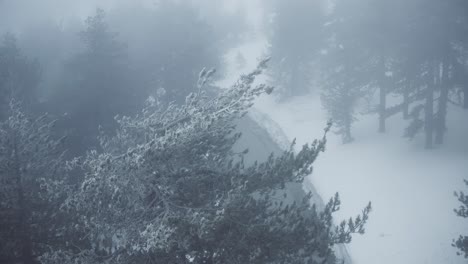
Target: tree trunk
(382, 107)
(382, 97)
(429, 108)
(346, 137)
(442, 105)
(405, 109)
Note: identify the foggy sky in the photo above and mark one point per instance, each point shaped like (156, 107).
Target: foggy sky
(15, 15)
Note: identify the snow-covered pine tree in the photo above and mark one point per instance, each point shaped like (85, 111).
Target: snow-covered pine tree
(461, 243)
(344, 82)
(339, 101)
(343, 85)
(31, 168)
(167, 188)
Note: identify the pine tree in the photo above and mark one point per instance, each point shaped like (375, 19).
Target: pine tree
(168, 189)
(170, 44)
(31, 169)
(19, 76)
(96, 85)
(295, 41)
(434, 63)
(398, 57)
(339, 100)
(461, 243)
(344, 71)
(342, 87)
(364, 28)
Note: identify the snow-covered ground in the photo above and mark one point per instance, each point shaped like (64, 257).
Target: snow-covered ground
(411, 189)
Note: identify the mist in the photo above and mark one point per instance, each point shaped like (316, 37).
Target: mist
(233, 131)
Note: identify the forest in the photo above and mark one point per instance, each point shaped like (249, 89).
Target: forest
(201, 131)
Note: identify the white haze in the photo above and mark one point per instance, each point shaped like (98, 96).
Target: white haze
(411, 190)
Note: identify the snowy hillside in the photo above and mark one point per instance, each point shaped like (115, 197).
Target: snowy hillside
(411, 189)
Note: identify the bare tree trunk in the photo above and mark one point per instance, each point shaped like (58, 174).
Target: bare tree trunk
(405, 109)
(429, 108)
(347, 137)
(442, 105)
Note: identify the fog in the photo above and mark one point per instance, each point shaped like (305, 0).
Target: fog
(17, 15)
(233, 131)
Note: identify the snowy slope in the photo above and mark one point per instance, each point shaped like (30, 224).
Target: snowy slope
(411, 189)
(262, 136)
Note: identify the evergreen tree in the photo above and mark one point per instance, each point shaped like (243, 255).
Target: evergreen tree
(168, 189)
(390, 51)
(31, 169)
(51, 43)
(462, 242)
(436, 62)
(169, 45)
(339, 100)
(187, 46)
(19, 76)
(96, 85)
(365, 29)
(295, 41)
(345, 69)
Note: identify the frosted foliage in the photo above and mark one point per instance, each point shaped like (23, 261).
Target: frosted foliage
(167, 188)
(461, 243)
(31, 173)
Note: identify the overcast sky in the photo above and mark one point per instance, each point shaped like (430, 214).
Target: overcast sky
(16, 14)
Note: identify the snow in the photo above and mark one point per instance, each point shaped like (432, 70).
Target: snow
(411, 189)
